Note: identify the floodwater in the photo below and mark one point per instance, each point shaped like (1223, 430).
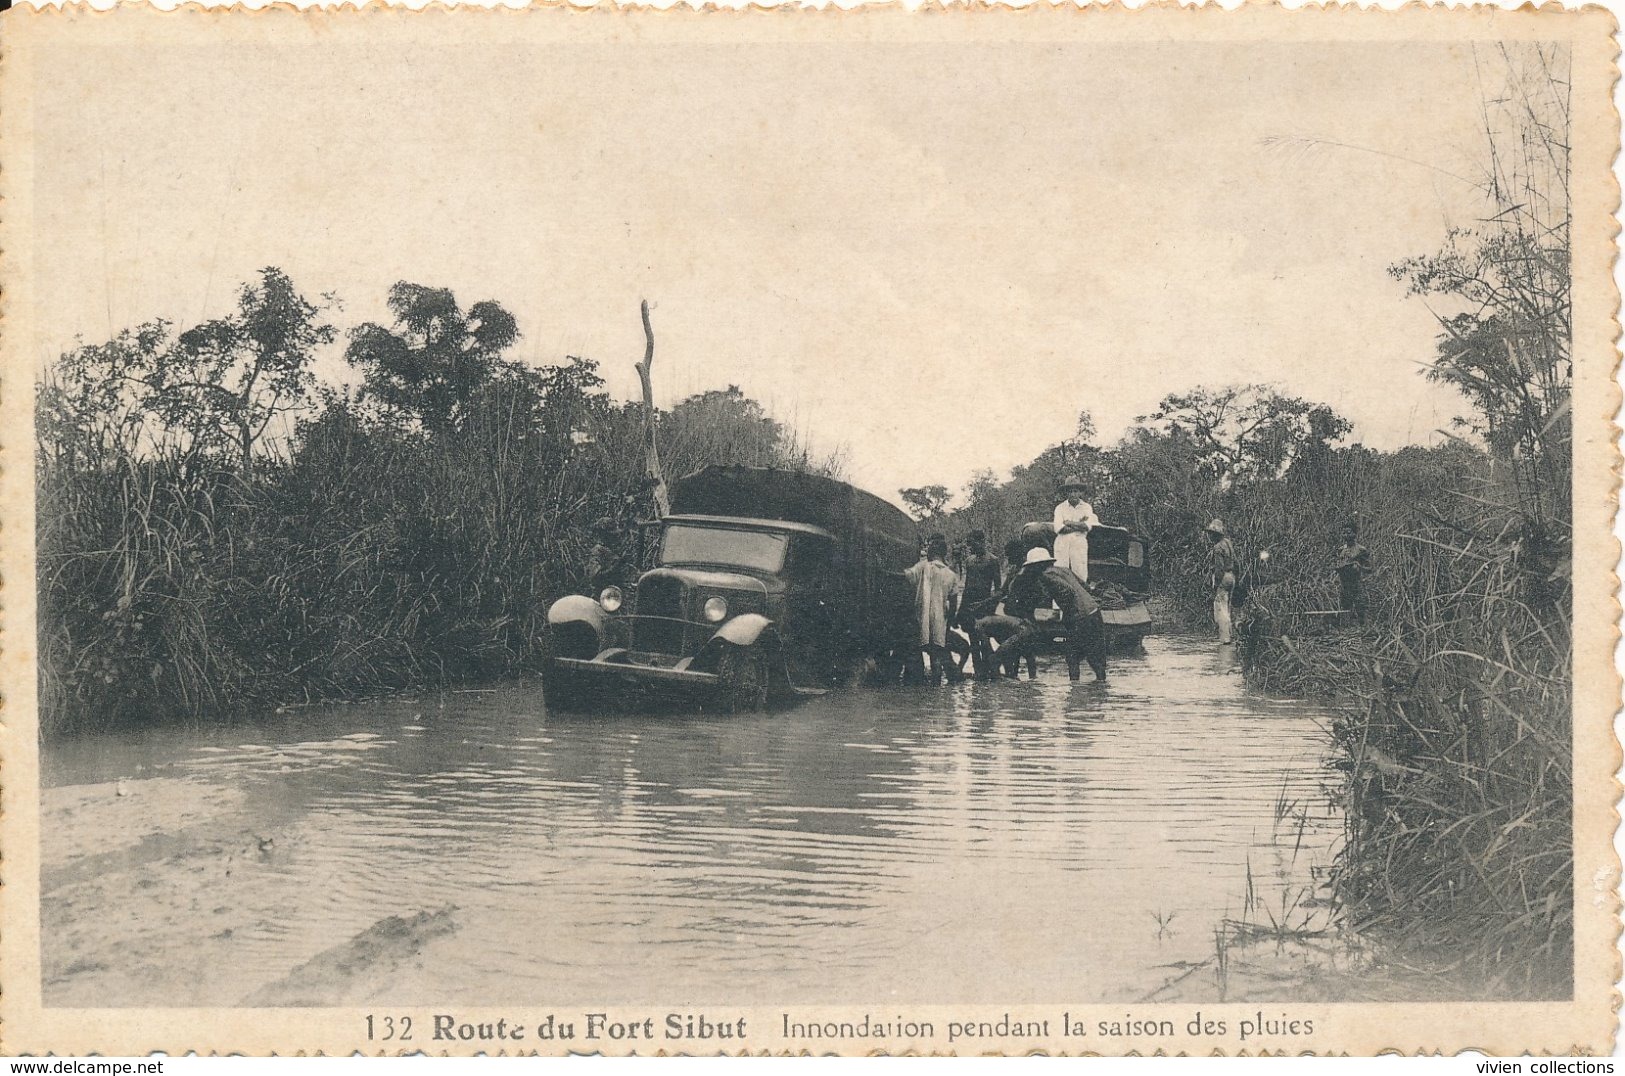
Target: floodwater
(1032, 841)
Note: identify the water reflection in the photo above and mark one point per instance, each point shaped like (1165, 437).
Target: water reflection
(1012, 841)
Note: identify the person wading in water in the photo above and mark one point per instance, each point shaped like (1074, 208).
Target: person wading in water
(936, 589)
(1080, 614)
(980, 579)
(1222, 558)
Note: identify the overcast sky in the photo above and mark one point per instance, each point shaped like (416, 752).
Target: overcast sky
(935, 254)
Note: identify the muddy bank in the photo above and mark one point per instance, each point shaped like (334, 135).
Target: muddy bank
(348, 972)
(152, 889)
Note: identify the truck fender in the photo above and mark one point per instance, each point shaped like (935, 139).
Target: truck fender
(575, 609)
(743, 630)
(578, 626)
(746, 629)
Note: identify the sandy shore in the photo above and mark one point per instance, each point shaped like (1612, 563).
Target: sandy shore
(155, 891)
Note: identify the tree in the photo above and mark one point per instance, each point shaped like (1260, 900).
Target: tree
(573, 407)
(1157, 484)
(1242, 433)
(925, 502)
(92, 403)
(432, 363)
(1506, 346)
(983, 486)
(215, 389)
(1084, 433)
(225, 381)
(722, 426)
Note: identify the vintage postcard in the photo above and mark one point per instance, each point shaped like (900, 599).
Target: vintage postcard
(955, 531)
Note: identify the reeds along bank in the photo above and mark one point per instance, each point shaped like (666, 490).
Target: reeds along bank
(1458, 745)
(1454, 739)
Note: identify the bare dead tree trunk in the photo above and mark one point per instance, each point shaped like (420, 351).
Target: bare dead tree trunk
(651, 451)
(245, 440)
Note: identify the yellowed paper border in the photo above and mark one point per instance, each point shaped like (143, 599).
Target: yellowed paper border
(1585, 1025)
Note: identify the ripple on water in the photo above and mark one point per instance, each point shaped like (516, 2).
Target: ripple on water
(985, 841)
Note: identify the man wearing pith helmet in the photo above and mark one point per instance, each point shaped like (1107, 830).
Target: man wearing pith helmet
(1074, 517)
(1080, 614)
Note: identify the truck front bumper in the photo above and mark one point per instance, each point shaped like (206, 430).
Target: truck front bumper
(633, 672)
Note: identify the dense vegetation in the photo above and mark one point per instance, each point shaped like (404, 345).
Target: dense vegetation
(1453, 741)
(1460, 753)
(217, 527)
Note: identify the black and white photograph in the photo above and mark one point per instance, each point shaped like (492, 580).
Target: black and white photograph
(944, 531)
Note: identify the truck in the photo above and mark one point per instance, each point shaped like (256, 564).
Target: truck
(768, 585)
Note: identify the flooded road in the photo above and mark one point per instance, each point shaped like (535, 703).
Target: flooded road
(1033, 841)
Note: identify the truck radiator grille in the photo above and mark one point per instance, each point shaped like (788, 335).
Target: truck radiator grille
(659, 597)
(657, 636)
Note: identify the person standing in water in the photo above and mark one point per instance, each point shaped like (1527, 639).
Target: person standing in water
(1080, 615)
(1000, 627)
(980, 580)
(1222, 559)
(936, 592)
(1023, 596)
(1074, 518)
(1353, 561)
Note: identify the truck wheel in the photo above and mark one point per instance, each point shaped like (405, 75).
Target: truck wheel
(742, 673)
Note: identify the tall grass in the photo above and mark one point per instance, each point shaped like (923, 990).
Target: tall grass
(1452, 737)
(366, 555)
(1456, 736)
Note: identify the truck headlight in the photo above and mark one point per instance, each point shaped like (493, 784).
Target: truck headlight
(715, 609)
(610, 599)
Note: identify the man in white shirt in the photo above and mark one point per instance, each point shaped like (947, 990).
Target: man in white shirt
(1074, 518)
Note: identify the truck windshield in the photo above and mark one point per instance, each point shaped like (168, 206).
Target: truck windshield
(756, 550)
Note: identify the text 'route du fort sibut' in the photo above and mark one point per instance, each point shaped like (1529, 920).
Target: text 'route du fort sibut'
(592, 1026)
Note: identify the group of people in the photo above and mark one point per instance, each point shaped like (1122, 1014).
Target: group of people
(1353, 562)
(988, 613)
